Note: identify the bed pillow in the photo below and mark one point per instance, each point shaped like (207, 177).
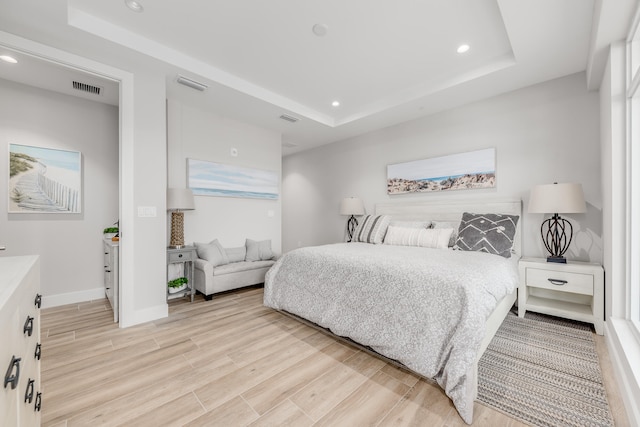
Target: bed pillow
(213, 252)
(258, 250)
(426, 238)
(410, 224)
(236, 254)
(371, 229)
(448, 224)
(491, 233)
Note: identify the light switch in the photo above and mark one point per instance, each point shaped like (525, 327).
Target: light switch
(147, 211)
(270, 213)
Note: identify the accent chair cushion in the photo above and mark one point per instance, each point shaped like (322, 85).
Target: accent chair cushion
(258, 250)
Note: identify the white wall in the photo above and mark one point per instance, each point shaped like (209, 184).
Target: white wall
(201, 135)
(544, 133)
(70, 245)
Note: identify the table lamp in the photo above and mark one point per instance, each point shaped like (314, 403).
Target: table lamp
(178, 200)
(351, 206)
(555, 199)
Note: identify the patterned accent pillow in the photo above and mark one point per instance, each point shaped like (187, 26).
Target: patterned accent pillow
(426, 238)
(371, 229)
(212, 252)
(491, 233)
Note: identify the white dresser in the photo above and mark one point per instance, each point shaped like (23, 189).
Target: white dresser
(111, 282)
(20, 396)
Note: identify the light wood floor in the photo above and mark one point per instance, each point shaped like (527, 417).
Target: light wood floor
(231, 362)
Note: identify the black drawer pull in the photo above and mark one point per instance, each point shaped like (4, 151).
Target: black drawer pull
(558, 282)
(38, 352)
(28, 393)
(13, 379)
(179, 255)
(38, 301)
(28, 326)
(38, 402)
(107, 271)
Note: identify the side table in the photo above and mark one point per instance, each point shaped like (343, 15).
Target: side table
(574, 290)
(185, 255)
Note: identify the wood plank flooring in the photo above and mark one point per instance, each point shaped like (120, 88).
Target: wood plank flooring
(231, 362)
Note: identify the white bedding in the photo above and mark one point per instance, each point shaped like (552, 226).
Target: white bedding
(425, 308)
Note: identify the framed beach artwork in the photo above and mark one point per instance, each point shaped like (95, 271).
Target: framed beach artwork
(44, 180)
(474, 169)
(222, 180)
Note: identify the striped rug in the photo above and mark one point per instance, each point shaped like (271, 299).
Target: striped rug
(544, 371)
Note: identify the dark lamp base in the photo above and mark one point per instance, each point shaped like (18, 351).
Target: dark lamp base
(557, 259)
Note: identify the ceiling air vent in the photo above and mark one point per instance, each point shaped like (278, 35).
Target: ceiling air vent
(289, 118)
(95, 90)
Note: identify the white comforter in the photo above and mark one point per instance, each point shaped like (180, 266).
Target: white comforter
(425, 308)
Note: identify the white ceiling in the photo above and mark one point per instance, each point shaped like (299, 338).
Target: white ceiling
(385, 61)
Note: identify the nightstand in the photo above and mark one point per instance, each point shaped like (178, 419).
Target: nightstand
(574, 290)
(187, 256)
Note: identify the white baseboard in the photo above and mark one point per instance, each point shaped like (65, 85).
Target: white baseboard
(72, 297)
(624, 351)
(145, 315)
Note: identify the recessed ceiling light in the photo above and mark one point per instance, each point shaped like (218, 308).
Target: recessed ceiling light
(320, 29)
(134, 5)
(9, 59)
(336, 103)
(463, 48)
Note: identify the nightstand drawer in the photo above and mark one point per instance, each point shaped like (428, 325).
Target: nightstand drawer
(181, 256)
(576, 283)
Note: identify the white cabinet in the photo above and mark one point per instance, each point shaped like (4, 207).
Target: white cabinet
(111, 282)
(574, 290)
(20, 395)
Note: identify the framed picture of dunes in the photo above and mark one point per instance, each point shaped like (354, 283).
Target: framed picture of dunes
(223, 180)
(44, 180)
(465, 171)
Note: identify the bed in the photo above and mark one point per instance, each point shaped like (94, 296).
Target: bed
(432, 311)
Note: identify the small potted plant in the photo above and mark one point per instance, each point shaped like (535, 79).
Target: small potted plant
(177, 285)
(110, 232)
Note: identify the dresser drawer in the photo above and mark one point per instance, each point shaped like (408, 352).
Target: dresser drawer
(577, 283)
(181, 256)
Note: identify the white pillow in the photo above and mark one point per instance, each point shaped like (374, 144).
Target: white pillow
(258, 250)
(212, 252)
(411, 224)
(448, 224)
(426, 238)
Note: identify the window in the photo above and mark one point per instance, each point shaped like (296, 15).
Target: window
(633, 175)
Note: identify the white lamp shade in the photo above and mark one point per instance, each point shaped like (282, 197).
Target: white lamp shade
(557, 198)
(351, 206)
(180, 199)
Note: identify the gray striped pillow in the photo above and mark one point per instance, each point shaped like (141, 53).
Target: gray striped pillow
(371, 229)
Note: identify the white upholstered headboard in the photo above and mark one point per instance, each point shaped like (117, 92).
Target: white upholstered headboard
(453, 210)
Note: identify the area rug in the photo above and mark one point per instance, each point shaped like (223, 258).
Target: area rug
(544, 371)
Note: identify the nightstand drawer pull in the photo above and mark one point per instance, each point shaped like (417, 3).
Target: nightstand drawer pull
(13, 379)
(28, 394)
(38, 403)
(557, 282)
(28, 326)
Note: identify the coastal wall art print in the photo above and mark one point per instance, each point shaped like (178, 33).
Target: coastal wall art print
(217, 179)
(44, 180)
(474, 169)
